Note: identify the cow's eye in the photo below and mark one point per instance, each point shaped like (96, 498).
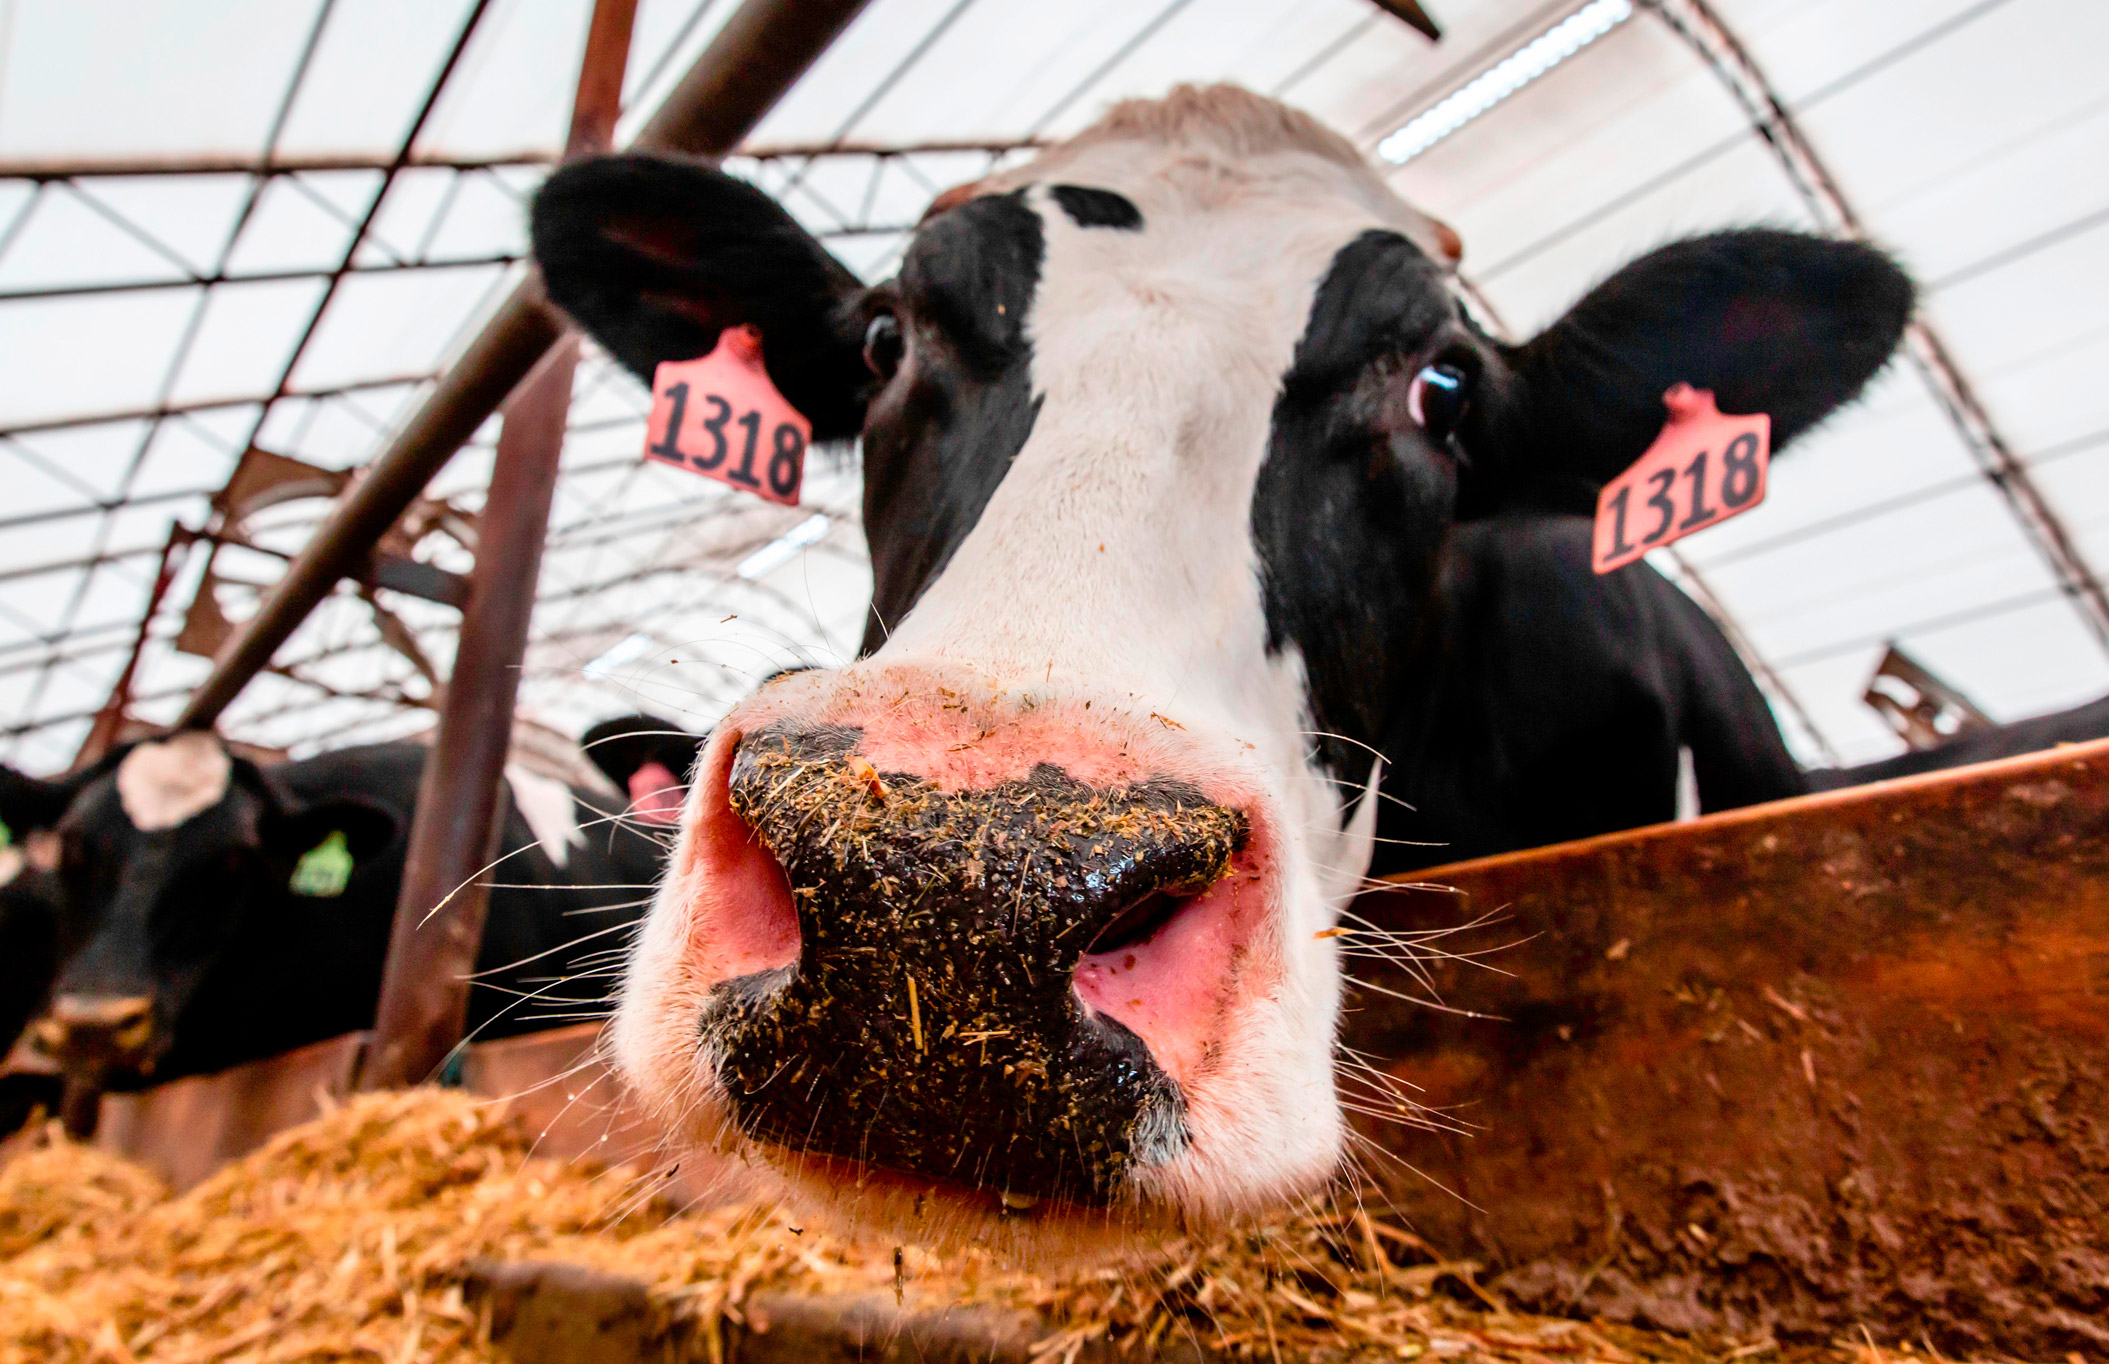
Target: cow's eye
(882, 345)
(1437, 400)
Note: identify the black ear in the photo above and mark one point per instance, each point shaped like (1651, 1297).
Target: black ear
(654, 257)
(619, 747)
(1774, 322)
(367, 828)
(28, 802)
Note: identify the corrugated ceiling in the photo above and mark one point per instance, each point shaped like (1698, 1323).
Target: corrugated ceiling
(154, 324)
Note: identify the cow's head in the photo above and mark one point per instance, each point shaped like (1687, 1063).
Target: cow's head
(31, 926)
(1017, 922)
(166, 854)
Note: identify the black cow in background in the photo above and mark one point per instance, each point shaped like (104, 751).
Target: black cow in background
(30, 922)
(1547, 702)
(30, 950)
(212, 912)
(1540, 701)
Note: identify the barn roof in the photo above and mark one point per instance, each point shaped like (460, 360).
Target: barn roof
(250, 223)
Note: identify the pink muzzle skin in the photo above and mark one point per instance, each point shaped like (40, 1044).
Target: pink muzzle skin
(1083, 902)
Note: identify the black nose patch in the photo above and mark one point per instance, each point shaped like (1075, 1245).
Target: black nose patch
(930, 1025)
(1089, 207)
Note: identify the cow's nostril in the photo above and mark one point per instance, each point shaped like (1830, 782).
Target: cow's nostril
(935, 1021)
(1139, 922)
(98, 1028)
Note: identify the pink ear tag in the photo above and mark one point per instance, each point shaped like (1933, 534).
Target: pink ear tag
(721, 417)
(1704, 468)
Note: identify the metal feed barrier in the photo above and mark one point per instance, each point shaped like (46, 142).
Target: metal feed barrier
(1833, 1060)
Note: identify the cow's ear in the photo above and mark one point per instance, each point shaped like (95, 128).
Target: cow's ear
(1775, 322)
(628, 743)
(654, 257)
(296, 828)
(28, 803)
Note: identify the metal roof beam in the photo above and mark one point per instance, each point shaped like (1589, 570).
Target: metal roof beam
(142, 286)
(48, 170)
(1695, 22)
(165, 410)
(754, 59)
(98, 168)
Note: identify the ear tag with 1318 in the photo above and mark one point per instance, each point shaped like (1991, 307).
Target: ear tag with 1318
(720, 416)
(1704, 468)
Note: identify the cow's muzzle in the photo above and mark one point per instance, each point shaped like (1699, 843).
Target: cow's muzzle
(99, 1035)
(931, 1023)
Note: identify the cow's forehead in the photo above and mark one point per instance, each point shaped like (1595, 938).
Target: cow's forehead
(1201, 181)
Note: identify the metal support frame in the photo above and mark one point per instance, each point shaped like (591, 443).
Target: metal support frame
(98, 168)
(108, 725)
(47, 173)
(441, 905)
(761, 50)
(1695, 22)
(460, 806)
(52, 169)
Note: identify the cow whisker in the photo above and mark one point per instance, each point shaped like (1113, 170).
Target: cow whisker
(489, 867)
(550, 951)
(603, 909)
(1360, 789)
(1435, 1004)
(1364, 1143)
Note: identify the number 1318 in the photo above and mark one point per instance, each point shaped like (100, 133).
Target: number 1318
(724, 443)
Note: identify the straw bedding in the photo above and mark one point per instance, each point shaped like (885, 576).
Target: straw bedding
(346, 1239)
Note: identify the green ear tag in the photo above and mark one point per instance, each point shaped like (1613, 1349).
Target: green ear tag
(7, 835)
(323, 870)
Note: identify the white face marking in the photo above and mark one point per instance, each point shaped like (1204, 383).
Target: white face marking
(550, 811)
(11, 863)
(162, 784)
(1115, 564)
(1160, 353)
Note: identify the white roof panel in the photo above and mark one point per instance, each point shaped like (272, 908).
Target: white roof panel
(1968, 135)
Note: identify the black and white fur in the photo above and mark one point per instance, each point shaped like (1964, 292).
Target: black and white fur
(1153, 425)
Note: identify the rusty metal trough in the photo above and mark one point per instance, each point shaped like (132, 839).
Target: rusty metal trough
(1834, 1061)
(1831, 1061)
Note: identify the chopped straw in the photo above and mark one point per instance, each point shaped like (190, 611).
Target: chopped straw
(346, 1239)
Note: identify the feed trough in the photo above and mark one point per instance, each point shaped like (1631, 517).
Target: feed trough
(1830, 1061)
(1811, 1068)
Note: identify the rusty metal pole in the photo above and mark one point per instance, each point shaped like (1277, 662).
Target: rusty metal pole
(440, 908)
(761, 51)
(439, 912)
(109, 721)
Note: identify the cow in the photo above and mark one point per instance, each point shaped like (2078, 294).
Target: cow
(30, 923)
(1549, 702)
(215, 912)
(30, 949)
(1021, 929)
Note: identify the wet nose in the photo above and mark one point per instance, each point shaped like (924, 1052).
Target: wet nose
(931, 1023)
(109, 1030)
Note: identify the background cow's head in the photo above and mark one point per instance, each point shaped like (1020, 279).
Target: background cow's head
(30, 920)
(169, 854)
(1019, 917)
(647, 758)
